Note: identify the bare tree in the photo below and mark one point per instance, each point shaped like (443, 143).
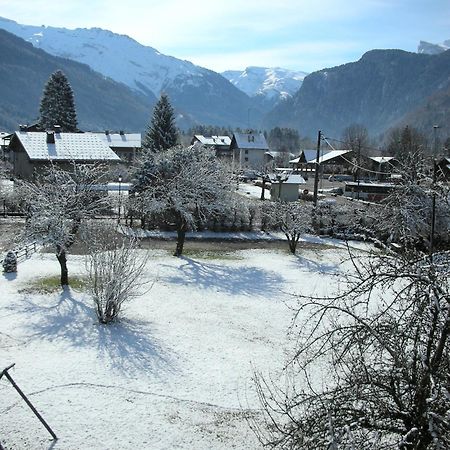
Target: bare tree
(185, 186)
(356, 138)
(381, 347)
(115, 268)
(58, 202)
(292, 218)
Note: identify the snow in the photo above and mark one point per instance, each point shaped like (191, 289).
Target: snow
(269, 82)
(175, 372)
(117, 56)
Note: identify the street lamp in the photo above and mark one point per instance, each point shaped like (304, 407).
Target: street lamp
(433, 200)
(120, 192)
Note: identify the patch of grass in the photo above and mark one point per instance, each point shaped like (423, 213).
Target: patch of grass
(52, 284)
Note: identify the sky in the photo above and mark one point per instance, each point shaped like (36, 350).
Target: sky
(303, 35)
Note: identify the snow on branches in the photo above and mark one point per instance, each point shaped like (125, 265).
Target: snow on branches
(58, 202)
(382, 345)
(184, 187)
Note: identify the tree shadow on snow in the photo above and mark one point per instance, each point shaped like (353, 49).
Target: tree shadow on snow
(310, 265)
(250, 281)
(127, 346)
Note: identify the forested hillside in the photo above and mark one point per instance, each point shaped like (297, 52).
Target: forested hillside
(101, 103)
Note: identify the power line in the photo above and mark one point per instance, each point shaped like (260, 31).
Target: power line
(356, 165)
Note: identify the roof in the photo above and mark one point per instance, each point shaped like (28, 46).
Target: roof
(251, 141)
(67, 147)
(124, 140)
(326, 156)
(308, 156)
(291, 179)
(213, 140)
(381, 159)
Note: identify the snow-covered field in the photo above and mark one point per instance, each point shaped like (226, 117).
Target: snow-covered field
(175, 373)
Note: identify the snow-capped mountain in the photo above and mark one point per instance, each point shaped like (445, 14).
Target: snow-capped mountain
(145, 70)
(117, 56)
(271, 83)
(433, 49)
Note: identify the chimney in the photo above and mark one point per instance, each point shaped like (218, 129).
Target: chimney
(107, 132)
(50, 137)
(121, 132)
(57, 128)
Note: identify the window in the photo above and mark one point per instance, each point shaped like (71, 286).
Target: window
(246, 159)
(246, 152)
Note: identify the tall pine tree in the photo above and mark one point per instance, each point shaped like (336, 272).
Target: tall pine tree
(162, 132)
(57, 104)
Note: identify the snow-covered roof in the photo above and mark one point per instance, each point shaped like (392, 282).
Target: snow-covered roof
(213, 140)
(308, 155)
(251, 141)
(327, 156)
(67, 146)
(291, 179)
(381, 159)
(124, 140)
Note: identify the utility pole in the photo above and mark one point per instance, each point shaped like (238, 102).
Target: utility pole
(316, 176)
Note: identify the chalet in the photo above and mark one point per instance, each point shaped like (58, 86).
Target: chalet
(285, 187)
(125, 145)
(382, 167)
(221, 144)
(31, 152)
(304, 162)
(330, 161)
(249, 149)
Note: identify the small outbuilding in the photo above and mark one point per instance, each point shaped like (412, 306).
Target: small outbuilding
(285, 187)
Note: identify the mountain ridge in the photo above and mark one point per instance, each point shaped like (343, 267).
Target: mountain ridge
(377, 91)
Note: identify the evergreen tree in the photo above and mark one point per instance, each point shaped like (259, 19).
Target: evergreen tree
(162, 133)
(57, 104)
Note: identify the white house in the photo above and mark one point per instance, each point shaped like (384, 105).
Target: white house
(249, 150)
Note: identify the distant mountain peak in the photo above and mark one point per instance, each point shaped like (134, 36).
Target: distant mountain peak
(433, 49)
(269, 83)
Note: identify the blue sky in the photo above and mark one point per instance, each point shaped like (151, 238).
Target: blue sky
(303, 35)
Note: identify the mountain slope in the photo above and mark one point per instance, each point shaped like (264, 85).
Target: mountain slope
(376, 91)
(145, 70)
(270, 84)
(101, 103)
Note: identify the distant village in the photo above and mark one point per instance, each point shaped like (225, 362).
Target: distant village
(287, 176)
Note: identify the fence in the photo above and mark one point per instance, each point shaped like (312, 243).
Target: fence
(25, 252)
